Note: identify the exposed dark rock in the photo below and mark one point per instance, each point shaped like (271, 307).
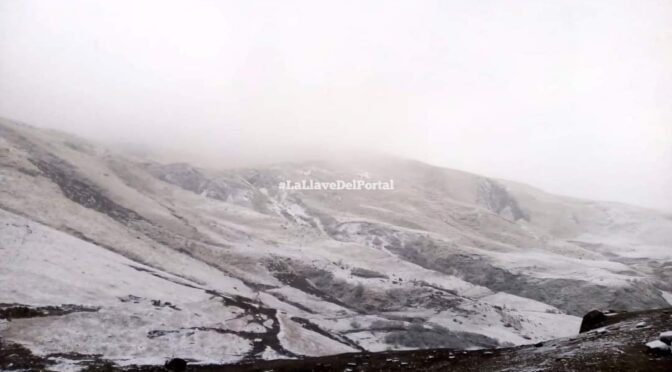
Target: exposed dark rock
(667, 339)
(366, 273)
(574, 296)
(176, 365)
(159, 303)
(324, 284)
(15, 357)
(18, 311)
(286, 274)
(658, 349)
(186, 177)
(307, 324)
(496, 198)
(80, 190)
(297, 305)
(419, 336)
(592, 320)
(164, 277)
(260, 314)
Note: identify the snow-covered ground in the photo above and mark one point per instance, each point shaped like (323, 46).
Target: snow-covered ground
(220, 265)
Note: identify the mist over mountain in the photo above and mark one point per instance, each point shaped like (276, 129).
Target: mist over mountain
(135, 260)
(568, 96)
(335, 186)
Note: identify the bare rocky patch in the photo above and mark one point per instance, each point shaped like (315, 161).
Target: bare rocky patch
(19, 311)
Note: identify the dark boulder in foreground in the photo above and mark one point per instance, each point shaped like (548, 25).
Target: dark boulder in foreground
(176, 365)
(666, 338)
(592, 320)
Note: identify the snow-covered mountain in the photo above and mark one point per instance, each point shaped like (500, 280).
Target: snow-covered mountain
(124, 258)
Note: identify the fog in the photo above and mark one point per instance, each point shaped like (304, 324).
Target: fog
(570, 96)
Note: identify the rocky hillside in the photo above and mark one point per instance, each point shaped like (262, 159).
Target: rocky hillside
(110, 256)
(615, 345)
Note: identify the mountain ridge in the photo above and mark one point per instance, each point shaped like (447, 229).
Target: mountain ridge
(447, 258)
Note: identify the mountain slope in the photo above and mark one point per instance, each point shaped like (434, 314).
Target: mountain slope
(623, 343)
(220, 265)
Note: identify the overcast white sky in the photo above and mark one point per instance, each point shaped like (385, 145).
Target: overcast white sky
(572, 96)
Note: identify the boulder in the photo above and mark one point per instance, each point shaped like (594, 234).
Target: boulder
(666, 337)
(658, 348)
(592, 320)
(176, 365)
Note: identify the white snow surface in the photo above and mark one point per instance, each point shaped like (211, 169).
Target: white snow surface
(160, 286)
